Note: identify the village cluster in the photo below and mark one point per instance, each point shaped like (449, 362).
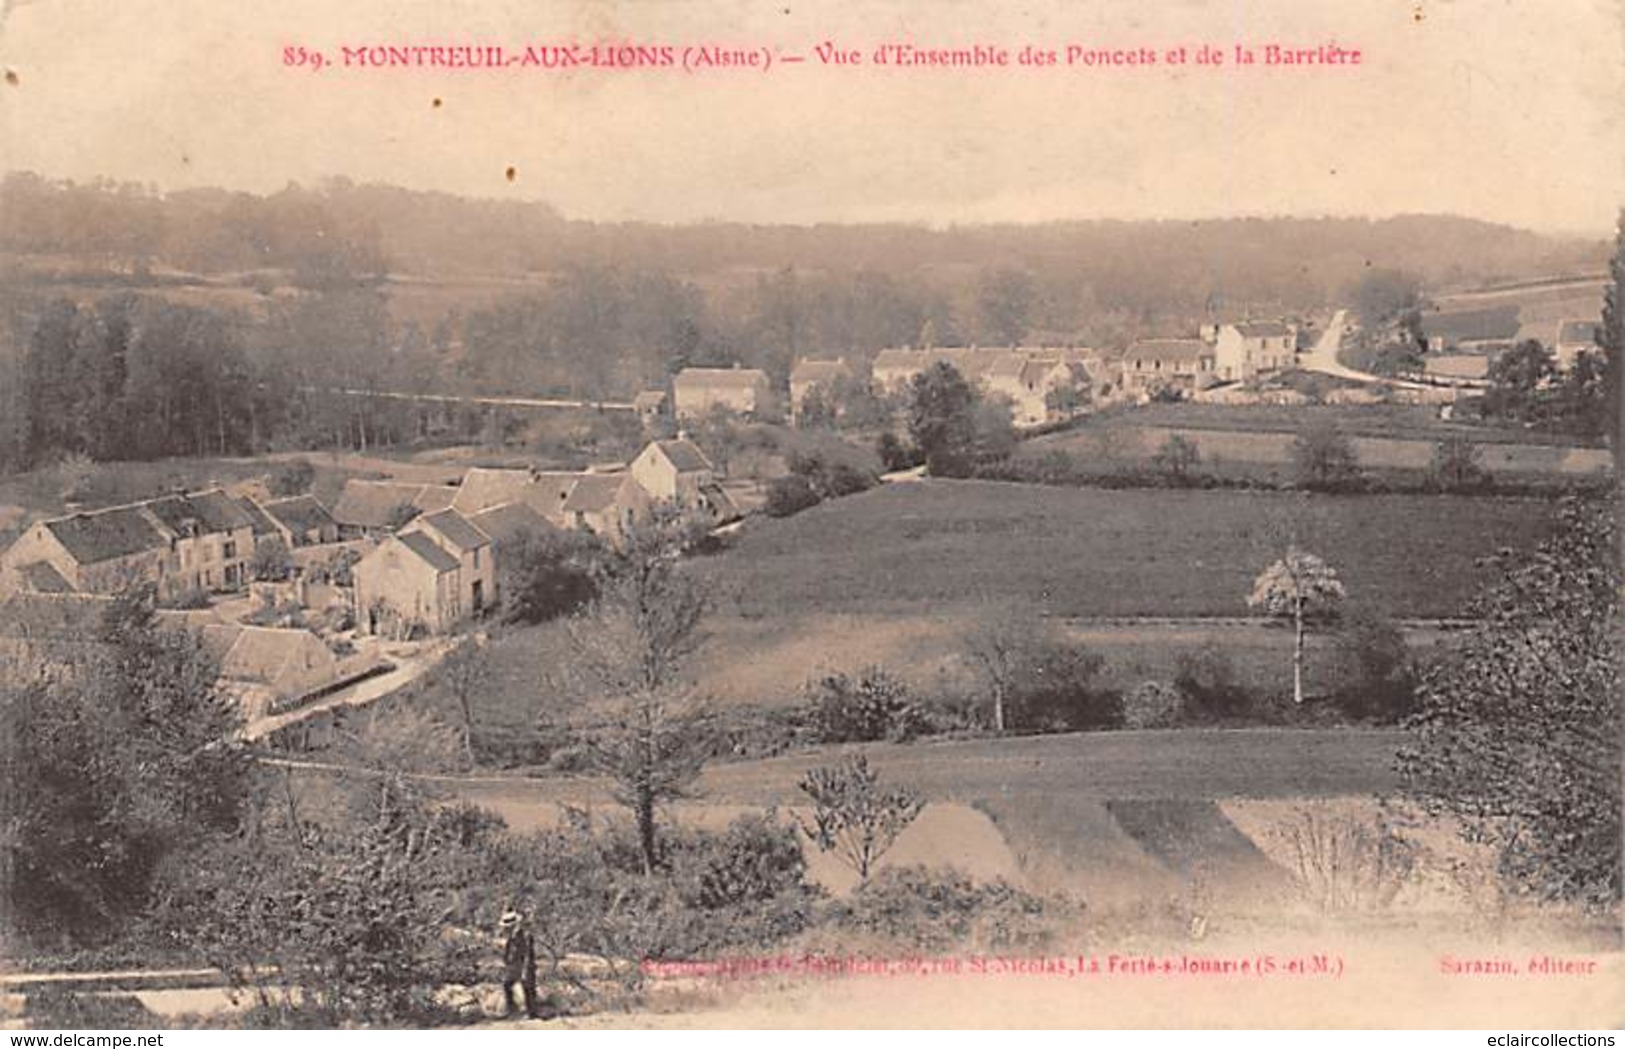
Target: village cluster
(393, 567)
(381, 574)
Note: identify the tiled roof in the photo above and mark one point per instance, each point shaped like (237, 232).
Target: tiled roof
(594, 492)
(1493, 322)
(259, 654)
(1167, 350)
(455, 527)
(425, 548)
(219, 511)
(42, 578)
(819, 371)
(730, 377)
(108, 534)
(1577, 332)
(301, 514)
(485, 487)
(685, 455)
(1262, 329)
(508, 521)
(258, 519)
(368, 504)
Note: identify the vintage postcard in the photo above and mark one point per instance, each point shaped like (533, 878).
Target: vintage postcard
(728, 514)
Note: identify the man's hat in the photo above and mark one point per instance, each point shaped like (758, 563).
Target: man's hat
(510, 919)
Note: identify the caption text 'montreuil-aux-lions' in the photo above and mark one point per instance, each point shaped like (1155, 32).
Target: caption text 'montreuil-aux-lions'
(891, 55)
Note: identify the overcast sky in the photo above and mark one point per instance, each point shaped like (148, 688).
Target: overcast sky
(1510, 111)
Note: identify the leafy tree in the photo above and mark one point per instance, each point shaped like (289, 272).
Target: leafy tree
(1323, 458)
(272, 562)
(1376, 668)
(1518, 729)
(546, 575)
(1382, 295)
(854, 816)
(789, 495)
(894, 454)
(1004, 305)
(942, 420)
(1611, 341)
(113, 771)
(1517, 379)
(1458, 465)
(871, 706)
(1037, 681)
(1177, 458)
(1300, 587)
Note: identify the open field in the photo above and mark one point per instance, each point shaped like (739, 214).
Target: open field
(920, 548)
(1541, 307)
(1268, 456)
(1408, 422)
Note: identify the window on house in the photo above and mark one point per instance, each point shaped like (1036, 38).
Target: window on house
(229, 550)
(476, 557)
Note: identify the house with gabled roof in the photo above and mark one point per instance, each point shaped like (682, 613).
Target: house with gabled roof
(824, 376)
(742, 391)
(1248, 349)
(510, 523)
(375, 507)
(607, 504)
(1149, 365)
(408, 585)
(476, 558)
(1573, 339)
(199, 541)
(1026, 376)
(303, 521)
(545, 491)
(677, 473)
(266, 667)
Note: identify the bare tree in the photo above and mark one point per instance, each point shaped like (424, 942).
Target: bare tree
(629, 649)
(465, 672)
(1298, 587)
(1002, 647)
(854, 816)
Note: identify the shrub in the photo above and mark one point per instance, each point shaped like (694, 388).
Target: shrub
(1343, 863)
(1323, 459)
(1378, 672)
(789, 495)
(1152, 704)
(271, 562)
(291, 478)
(1458, 466)
(894, 454)
(942, 911)
(1055, 692)
(191, 597)
(873, 706)
(1206, 679)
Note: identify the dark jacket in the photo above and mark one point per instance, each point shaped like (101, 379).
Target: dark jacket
(519, 956)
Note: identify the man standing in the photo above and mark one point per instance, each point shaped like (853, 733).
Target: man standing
(518, 962)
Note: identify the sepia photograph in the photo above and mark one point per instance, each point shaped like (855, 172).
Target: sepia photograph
(723, 514)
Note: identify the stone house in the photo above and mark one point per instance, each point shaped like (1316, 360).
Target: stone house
(407, 585)
(202, 541)
(476, 560)
(741, 391)
(1150, 365)
(1246, 350)
(810, 375)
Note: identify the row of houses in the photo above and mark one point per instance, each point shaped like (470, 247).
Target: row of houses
(429, 551)
(1222, 353)
(1041, 383)
(201, 541)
